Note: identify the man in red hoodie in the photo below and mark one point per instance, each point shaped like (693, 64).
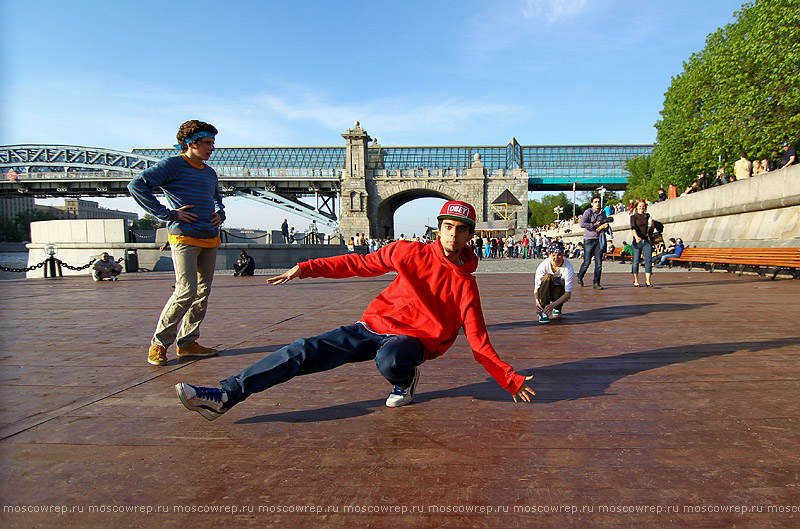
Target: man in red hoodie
(416, 318)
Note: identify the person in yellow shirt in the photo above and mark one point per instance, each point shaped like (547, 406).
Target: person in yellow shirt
(193, 219)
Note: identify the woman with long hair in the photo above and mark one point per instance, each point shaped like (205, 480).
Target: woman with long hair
(641, 226)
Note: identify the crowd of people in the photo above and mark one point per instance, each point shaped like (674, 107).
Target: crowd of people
(743, 168)
(531, 245)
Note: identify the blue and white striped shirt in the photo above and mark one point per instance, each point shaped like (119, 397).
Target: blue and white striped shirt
(183, 185)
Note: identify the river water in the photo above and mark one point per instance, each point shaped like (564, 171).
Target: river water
(13, 260)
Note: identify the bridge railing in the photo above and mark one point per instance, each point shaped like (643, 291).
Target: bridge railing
(269, 172)
(229, 173)
(77, 175)
(417, 173)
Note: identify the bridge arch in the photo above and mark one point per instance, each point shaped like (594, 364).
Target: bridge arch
(402, 194)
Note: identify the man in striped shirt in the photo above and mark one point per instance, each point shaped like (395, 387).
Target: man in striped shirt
(193, 218)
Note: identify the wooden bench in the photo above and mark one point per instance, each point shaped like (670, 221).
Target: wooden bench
(743, 258)
(617, 253)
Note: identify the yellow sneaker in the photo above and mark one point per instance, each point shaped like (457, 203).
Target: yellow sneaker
(157, 355)
(196, 350)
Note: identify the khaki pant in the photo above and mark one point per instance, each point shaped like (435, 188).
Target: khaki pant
(194, 272)
(549, 291)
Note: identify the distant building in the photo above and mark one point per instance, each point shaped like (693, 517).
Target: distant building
(11, 206)
(75, 208)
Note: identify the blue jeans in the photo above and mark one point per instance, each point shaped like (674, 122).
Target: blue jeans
(639, 249)
(664, 258)
(592, 248)
(395, 355)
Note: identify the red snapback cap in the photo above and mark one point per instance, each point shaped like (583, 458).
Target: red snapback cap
(457, 210)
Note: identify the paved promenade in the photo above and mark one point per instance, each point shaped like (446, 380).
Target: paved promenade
(677, 406)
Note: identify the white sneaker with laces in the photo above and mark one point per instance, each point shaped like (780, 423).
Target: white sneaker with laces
(208, 402)
(399, 396)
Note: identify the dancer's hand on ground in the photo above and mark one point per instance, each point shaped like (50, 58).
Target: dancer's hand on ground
(525, 393)
(285, 277)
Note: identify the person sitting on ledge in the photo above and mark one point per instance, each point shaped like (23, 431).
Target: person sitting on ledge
(106, 268)
(245, 265)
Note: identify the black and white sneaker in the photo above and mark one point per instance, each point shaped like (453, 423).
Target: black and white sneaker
(399, 396)
(208, 402)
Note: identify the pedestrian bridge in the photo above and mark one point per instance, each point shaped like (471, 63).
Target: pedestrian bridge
(363, 177)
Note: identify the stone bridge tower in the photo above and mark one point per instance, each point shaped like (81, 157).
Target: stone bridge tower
(354, 203)
(371, 195)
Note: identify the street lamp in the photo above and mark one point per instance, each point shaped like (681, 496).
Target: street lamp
(602, 190)
(558, 210)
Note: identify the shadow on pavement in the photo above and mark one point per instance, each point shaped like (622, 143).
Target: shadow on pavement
(606, 314)
(567, 381)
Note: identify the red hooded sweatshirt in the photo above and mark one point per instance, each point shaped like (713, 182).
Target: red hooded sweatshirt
(430, 299)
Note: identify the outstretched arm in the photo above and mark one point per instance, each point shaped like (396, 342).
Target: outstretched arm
(285, 277)
(525, 393)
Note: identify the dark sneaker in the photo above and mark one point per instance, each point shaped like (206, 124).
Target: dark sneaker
(208, 402)
(597, 287)
(556, 313)
(544, 318)
(399, 396)
(580, 281)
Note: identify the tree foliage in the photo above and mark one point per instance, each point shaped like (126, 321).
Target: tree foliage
(19, 229)
(148, 222)
(641, 182)
(741, 93)
(542, 209)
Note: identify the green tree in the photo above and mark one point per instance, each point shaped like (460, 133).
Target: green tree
(741, 93)
(641, 182)
(23, 220)
(542, 210)
(9, 231)
(148, 222)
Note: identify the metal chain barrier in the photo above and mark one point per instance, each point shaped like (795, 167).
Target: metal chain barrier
(229, 234)
(137, 237)
(32, 267)
(55, 260)
(77, 268)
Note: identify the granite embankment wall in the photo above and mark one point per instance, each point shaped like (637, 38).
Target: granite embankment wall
(80, 241)
(758, 212)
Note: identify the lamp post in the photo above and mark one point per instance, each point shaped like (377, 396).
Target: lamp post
(52, 264)
(602, 190)
(558, 210)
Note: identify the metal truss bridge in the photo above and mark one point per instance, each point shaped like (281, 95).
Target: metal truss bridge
(281, 176)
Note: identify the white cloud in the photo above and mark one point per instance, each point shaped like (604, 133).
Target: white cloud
(122, 113)
(553, 10)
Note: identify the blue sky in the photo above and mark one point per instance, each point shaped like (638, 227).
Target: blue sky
(275, 73)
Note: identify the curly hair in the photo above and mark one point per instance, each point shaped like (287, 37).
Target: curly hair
(192, 127)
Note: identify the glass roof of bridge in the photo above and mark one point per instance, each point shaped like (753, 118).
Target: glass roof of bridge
(540, 160)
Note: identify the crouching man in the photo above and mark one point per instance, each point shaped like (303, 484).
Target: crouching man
(416, 318)
(553, 284)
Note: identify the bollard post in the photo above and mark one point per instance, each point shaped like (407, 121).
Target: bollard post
(51, 250)
(51, 266)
